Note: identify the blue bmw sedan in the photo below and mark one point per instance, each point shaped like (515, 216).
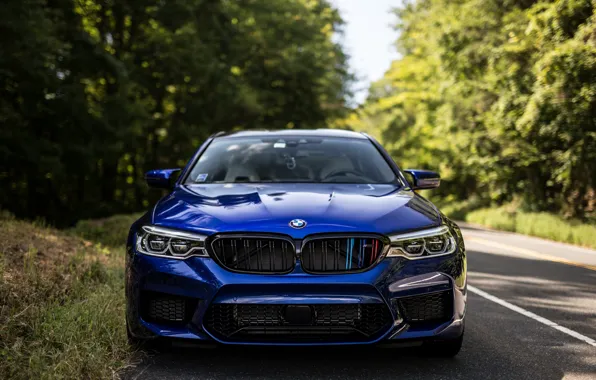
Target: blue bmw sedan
(296, 237)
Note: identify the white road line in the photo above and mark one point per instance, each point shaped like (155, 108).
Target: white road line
(529, 252)
(535, 317)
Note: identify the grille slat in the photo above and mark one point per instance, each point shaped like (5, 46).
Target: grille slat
(324, 258)
(335, 254)
(267, 321)
(254, 254)
(351, 254)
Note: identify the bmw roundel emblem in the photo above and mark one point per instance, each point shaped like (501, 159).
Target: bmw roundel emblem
(297, 223)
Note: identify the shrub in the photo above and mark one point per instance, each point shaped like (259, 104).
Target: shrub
(458, 210)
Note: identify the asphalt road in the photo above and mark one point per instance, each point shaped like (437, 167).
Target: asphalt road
(531, 315)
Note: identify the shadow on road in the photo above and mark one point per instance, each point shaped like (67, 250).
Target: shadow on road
(330, 363)
(565, 294)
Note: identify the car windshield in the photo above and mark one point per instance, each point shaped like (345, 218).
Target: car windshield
(291, 159)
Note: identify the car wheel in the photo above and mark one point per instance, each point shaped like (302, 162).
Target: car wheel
(445, 349)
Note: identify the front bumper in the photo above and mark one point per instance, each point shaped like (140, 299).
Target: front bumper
(203, 283)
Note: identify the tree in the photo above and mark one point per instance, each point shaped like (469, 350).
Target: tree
(95, 92)
(497, 95)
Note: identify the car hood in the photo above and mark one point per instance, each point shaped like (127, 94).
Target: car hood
(268, 208)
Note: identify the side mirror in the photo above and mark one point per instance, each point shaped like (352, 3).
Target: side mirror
(161, 179)
(423, 179)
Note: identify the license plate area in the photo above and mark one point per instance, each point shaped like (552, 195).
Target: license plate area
(298, 315)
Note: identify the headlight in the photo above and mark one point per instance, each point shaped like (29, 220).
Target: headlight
(423, 244)
(164, 242)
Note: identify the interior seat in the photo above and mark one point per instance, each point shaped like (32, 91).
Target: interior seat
(336, 164)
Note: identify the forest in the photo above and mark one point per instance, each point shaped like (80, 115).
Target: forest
(499, 96)
(96, 92)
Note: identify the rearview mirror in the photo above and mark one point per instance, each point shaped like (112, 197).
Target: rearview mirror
(161, 179)
(423, 179)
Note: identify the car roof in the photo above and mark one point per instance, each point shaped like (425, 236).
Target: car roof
(294, 132)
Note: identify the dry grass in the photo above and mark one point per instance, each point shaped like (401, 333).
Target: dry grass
(61, 304)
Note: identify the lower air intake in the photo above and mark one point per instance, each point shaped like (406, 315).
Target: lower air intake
(291, 323)
(165, 308)
(434, 307)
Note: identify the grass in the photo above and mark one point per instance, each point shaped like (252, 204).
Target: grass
(540, 224)
(110, 231)
(62, 300)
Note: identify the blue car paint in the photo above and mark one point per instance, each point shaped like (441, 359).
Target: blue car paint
(160, 178)
(268, 208)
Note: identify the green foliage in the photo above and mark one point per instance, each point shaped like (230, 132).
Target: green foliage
(457, 210)
(498, 96)
(540, 224)
(93, 93)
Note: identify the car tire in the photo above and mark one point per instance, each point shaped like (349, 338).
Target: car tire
(444, 349)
